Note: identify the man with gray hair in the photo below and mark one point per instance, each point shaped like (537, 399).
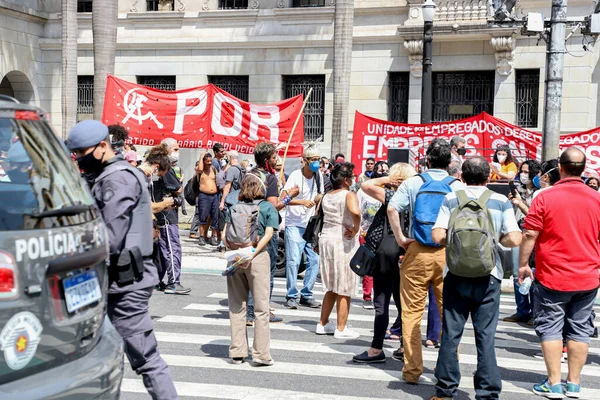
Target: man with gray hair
(309, 180)
(233, 180)
(458, 143)
(454, 168)
(169, 243)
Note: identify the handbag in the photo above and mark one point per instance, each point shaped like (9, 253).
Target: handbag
(363, 261)
(314, 227)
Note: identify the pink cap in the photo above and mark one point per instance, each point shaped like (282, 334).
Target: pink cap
(131, 156)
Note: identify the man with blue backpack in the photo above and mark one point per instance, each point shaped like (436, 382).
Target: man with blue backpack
(423, 264)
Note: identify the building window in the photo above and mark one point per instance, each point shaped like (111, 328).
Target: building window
(232, 4)
(85, 94)
(159, 5)
(314, 112)
(459, 95)
(398, 96)
(157, 82)
(233, 84)
(528, 91)
(308, 3)
(84, 6)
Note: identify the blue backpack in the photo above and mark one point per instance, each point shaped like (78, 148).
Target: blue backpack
(427, 207)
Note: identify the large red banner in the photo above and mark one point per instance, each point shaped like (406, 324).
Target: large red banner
(201, 116)
(483, 133)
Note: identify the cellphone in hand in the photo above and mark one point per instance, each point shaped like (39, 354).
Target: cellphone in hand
(513, 189)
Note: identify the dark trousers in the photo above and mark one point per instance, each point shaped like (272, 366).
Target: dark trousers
(479, 297)
(434, 324)
(128, 312)
(272, 250)
(384, 287)
(208, 207)
(195, 220)
(169, 250)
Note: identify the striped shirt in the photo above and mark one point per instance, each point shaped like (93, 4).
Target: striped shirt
(501, 210)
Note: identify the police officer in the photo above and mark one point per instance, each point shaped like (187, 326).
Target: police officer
(122, 196)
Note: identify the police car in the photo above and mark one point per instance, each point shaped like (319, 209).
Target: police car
(55, 339)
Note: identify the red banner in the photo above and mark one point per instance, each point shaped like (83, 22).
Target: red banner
(201, 116)
(483, 133)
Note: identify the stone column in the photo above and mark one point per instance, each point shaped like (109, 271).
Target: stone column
(415, 58)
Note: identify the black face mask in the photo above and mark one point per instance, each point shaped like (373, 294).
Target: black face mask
(461, 152)
(18, 176)
(90, 164)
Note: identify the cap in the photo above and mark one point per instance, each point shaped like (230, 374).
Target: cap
(86, 134)
(17, 154)
(131, 156)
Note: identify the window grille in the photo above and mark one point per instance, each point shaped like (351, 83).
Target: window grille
(157, 82)
(314, 112)
(398, 96)
(459, 95)
(160, 5)
(527, 96)
(85, 94)
(84, 6)
(236, 85)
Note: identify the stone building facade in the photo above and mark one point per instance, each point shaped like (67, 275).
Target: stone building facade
(265, 50)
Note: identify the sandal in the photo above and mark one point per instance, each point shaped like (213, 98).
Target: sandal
(391, 337)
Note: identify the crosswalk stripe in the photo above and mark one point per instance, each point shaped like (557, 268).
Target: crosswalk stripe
(342, 348)
(233, 392)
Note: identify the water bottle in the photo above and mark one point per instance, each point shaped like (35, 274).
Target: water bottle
(525, 286)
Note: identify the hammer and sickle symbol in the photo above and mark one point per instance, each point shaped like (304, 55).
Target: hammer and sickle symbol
(133, 102)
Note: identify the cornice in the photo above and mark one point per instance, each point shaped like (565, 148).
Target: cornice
(25, 13)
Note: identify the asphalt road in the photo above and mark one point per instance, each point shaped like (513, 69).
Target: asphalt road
(193, 334)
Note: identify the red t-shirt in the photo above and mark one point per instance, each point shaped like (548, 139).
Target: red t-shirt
(567, 252)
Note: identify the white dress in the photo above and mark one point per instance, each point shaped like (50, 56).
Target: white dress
(335, 252)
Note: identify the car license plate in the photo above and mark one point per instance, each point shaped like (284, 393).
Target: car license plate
(81, 290)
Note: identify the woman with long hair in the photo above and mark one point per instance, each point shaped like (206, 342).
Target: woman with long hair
(508, 168)
(337, 244)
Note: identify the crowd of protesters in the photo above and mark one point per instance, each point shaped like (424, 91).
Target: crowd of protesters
(418, 233)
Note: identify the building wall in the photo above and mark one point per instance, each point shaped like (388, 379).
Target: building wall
(268, 42)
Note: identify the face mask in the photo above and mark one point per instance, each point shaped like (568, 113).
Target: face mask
(314, 166)
(174, 157)
(369, 174)
(524, 178)
(501, 159)
(461, 152)
(90, 164)
(18, 176)
(538, 182)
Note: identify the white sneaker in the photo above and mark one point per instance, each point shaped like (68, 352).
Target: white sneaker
(347, 333)
(263, 362)
(328, 329)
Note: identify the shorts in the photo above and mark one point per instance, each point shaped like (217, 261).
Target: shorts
(555, 311)
(208, 206)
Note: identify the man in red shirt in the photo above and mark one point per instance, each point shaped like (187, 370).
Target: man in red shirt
(564, 225)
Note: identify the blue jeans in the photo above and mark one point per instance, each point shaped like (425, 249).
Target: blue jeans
(434, 325)
(294, 247)
(524, 304)
(479, 297)
(272, 250)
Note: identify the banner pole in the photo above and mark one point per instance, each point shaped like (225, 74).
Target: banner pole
(282, 175)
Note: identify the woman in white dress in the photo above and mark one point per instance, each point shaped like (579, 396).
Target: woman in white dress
(337, 244)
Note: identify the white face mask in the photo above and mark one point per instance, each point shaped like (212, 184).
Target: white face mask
(174, 157)
(501, 159)
(524, 179)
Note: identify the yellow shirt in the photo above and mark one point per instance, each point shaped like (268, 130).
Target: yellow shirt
(505, 169)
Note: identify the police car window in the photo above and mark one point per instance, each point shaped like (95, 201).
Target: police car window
(37, 176)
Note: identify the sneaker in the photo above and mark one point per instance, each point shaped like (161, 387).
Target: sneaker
(540, 356)
(365, 358)
(177, 289)
(237, 360)
(551, 392)
(368, 305)
(347, 333)
(515, 318)
(221, 248)
(213, 241)
(595, 334)
(398, 354)
(263, 362)
(572, 390)
(160, 287)
(202, 241)
(249, 321)
(292, 304)
(312, 303)
(432, 344)
(328, 329)
(274, 319)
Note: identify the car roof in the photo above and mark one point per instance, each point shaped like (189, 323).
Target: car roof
(7, 105)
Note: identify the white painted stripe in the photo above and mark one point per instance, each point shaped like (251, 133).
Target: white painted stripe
(356, 372)
(233, 392)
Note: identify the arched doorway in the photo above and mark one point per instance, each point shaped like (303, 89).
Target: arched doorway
(16, 84)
